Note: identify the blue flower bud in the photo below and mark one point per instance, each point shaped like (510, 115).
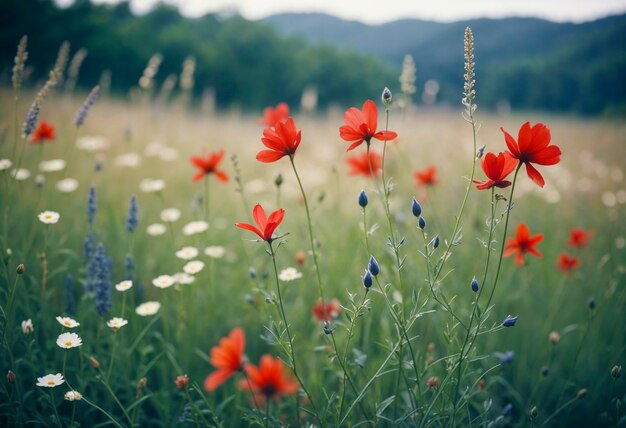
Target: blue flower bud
(373, 266)
(367, 279)
(544, 371)
(591, 303)
(363, 199)
(507, 410)
(416, 208)
(252, 272)
(509, 321)
(436, 242)
(421, 223)
(474, 285)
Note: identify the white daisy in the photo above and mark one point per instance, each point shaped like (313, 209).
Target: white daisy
(53, 165)
(289, 274)
(195, 227)
(20, 174)
(156, 229)
(116, 323)
(49, 217)
(193, 267)
(50, 380)
(40, 180)
(130, 160)
(92, 144)
(124, 285)
(183, 278)
(170, 215)
(187, 253)
(69, 340)
(68, 322)
(5, 164)
(73, 396)
(150, 185)
(27, 326)
(163, 281)
(67, 185)
(168, 154)
(215, 251)
(148, 308)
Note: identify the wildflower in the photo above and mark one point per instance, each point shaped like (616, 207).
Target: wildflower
(416, 208)
(183, 278)
(67, 185)
(69, 340)
(533, 146)
(432, 382)
(269, 379)
(19, 61)
(363, 199)
(496, 168)
(523, 243)
(193, 267)
(187, 253)
(330, 310)
(545, 371)
(156, 229)
(581, 393)
(81, 115)
(386, 96)
(532, 413)
(53, 165)
(591, 303)
(181, 382)
(567, 263)
(366, 164)
(506, 357)
(124, 285)
(436, 242)
(27, 326)
(50, 380)
(5, 164)
(360, 126)
(67, 322)
(170, 215)
(131, 218)
(407, 77)
(267, 226)
(73, 396)
(20, 174)
(129, 265)
(616, 371)
(289, 274)
(469, 93)
(92, 144)
(20, 268)
(102, 279)
(195, 227)
(91, 205)
(373, 267)
(421, 223)
(367, 279)
(94, 363)
(282, 139)
(44, 132)
(49, 217)
(32, 116)
(271, 116)
(148, 308)
(227, 358)
(554, 337)
(116, 323)
(163, 281)
(509, 321)
(207, 164)
(427, 177)
(507, 410)
(40, 180)
(215, 251)
(300, 257)
(579, 238)
(150, 185)
(11, 378)
(142, 383)
(130, 160)
(474, 284)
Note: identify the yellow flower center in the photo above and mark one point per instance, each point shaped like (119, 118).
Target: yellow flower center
(67, 323)
(68, 343)
(50, 382)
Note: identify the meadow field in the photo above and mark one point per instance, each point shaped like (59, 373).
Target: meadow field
(406, 340)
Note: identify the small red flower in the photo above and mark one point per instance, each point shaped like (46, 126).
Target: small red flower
(360, 125)
(271, 116)
(427, 177)
(267, 226)
(227, 358)
(208, 165)
(567, 263)
(496, 168)
(269, 380)
(282, 139)
(533, 146)
(43, 133)
(327, 312)
(522, 243)
(579, 238)
(360, 165)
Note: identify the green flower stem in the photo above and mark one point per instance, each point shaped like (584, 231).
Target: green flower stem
(113, 349)
(54, 407)
(196, 411)
(105, 382)
(104, 412)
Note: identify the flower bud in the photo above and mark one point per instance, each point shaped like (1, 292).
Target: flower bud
(416, 208)
(581, 393)
(480, 152)
(533, 412)
(507, 410)
(386, 96)
(11, 376)
(509, 321)
(616, 371)
(432, 382)
(591, 303)
(328, 329)
(252, 272)
(421, 223)
(142, 383)
(278, 180)
(373, 266)
(94, 363)
(544, 371)
(367, 279)
(474, 285)
(363, 199)
(20, 269)
(300, 257)
(27, 326)
(554, 337)
(182, 382)
(436, 242)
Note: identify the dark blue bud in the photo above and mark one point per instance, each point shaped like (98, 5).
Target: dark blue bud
(474, 285)
(367, 279)
(544, 371)
(252, 272)
(591, 303)
(416, 208)
(363, 199)
(373, 266)
(507, 410)
(421, 223)
(506, 357)
(509, 321)
(328, 328)
(436, 242)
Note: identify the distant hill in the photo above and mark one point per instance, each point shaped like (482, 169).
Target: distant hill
(529, 62)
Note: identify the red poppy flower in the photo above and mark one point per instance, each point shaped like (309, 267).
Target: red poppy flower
(208, 165)
(226, 358)
(579, 238)
(496, 168)
(427, 177)
(282, 139)
(567, 263)
(522, 243)
(360, 165)
(43, 133)
(267, 226)
(269, 380)
(271, 116)
(330, 310)
(360, 125)
(533, 146)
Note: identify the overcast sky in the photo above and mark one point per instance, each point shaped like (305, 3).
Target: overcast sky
(377, 11)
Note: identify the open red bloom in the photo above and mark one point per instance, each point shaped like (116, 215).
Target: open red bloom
(522, 243)
(269, 380)
(208, 165)
(579, 238)
(533, 146)
(267, 226)
(427, 177)
(360, 165)
(567, 263)
(360, 125)
(271, 116)
(43, 133)
(327, 312)
(496, 168)
(227, 358)
(282, 139)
